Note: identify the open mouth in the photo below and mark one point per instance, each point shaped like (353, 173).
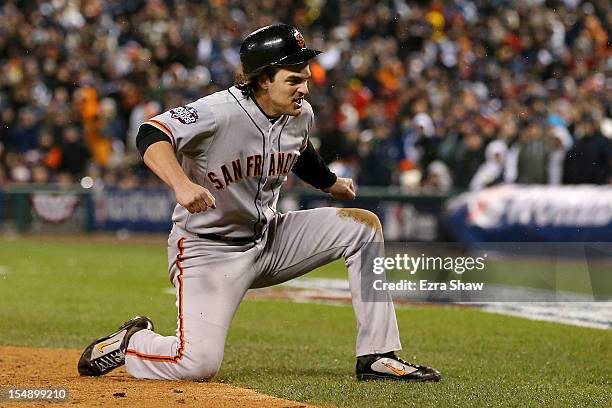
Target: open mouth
(298, 102)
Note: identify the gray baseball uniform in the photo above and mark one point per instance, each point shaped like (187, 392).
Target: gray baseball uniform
(225, 143)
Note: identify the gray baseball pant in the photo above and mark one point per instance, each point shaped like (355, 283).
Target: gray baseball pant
(212, 277)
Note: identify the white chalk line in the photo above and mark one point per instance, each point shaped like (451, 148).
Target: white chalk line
(336, 291)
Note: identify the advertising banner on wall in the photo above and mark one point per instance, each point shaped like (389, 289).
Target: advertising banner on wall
(522, 213)
(143, 210)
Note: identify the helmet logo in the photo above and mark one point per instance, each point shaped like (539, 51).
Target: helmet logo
(299, 39)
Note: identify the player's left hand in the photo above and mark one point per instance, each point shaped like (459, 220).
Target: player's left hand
(342, 189)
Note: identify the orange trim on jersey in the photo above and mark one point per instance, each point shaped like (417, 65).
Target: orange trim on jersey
(164, 129)
(179, 352)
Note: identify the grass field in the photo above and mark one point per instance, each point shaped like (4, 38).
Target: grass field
(64, 294)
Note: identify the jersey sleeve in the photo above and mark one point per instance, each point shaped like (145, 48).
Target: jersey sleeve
(311, 168)
(148, 135)
(187, 126)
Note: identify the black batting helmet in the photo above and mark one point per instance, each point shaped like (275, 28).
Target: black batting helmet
(277, 44)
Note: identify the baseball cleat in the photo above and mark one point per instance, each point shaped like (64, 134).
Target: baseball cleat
(108, 353)
(388, 366)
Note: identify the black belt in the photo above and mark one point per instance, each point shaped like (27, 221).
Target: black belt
(235, 240)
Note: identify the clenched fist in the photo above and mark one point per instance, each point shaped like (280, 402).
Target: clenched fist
(194, 197)
(342, 189)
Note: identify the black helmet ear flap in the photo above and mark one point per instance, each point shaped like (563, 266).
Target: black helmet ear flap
(277, 44)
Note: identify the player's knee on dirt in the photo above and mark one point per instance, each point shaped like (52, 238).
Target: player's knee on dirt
(373, 227)
(202, 365)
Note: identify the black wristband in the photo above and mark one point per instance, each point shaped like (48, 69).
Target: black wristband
(147, 135)
(311, 168)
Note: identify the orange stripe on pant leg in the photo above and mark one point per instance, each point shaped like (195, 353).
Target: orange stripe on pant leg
(179, 353)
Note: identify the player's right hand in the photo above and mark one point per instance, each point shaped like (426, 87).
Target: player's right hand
(194, 198)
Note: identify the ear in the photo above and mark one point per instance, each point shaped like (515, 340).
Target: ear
(264, 82)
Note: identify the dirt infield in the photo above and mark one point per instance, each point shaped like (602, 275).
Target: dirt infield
(41, 368)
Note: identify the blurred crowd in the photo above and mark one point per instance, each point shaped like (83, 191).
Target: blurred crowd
(432, 96)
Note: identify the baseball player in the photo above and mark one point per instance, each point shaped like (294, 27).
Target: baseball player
(226, 156)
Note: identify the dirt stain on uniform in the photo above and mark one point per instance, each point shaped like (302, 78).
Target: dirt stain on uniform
(363, 217)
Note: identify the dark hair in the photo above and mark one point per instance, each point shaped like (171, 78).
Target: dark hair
(248, 84)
